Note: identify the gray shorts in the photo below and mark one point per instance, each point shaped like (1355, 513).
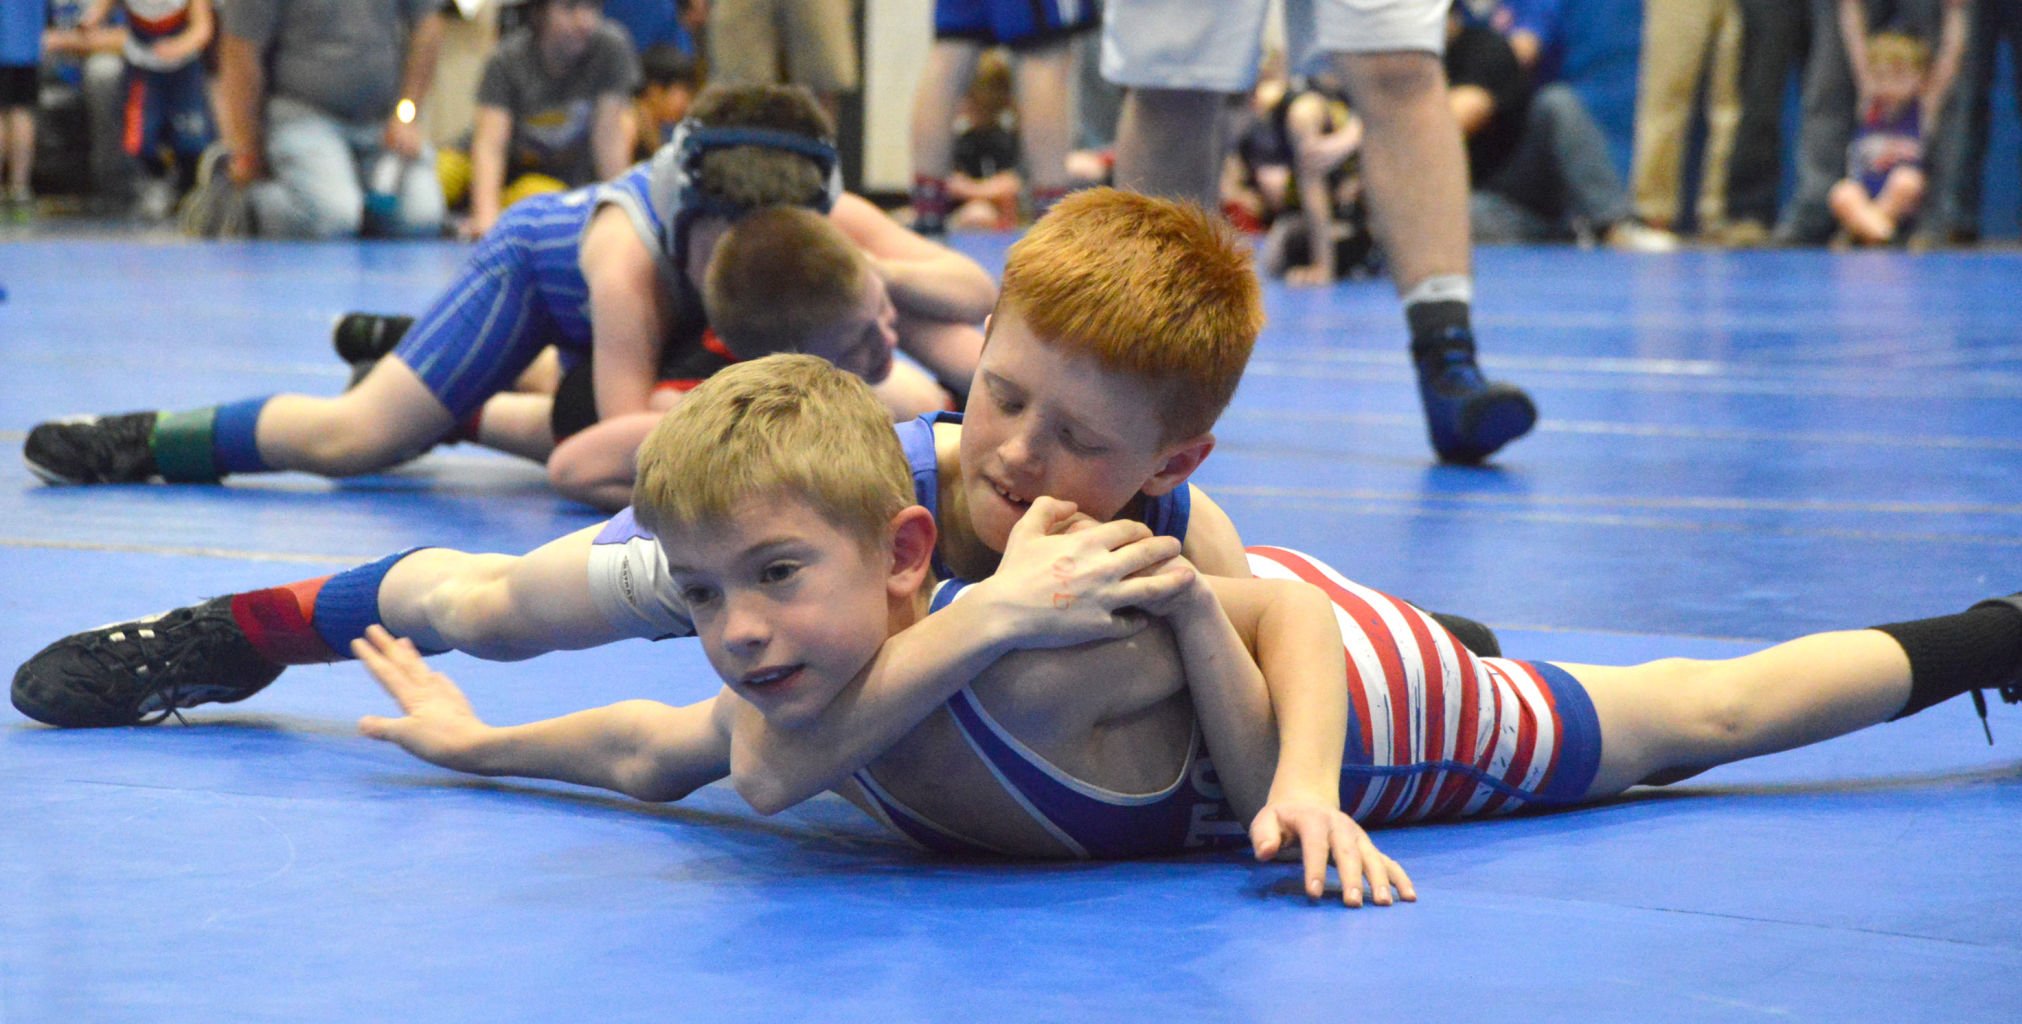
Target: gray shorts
(1213, 45)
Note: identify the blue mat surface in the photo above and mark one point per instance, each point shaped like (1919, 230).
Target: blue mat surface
(1736, 448)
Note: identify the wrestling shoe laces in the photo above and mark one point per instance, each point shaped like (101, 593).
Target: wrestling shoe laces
(141, 672)
(92, 449)
(1468, 415)
(2010, 691)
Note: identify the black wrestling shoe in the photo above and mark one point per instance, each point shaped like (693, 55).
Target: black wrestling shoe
(140, 672)
(92, 449)
(2010, 691)
(1475, 636)
(1468, 415)
(363, 339)
(367, 337)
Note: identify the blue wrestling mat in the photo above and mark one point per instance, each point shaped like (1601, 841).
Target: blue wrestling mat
(1736, 447)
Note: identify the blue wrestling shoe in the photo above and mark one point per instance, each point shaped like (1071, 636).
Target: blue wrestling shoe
(1468, 415)
(140, 672)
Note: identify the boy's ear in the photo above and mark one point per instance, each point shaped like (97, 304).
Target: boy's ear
(1181, 459)
(913, 534)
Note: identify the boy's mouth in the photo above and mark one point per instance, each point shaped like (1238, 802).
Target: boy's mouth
(770, 676)
(1009, 498)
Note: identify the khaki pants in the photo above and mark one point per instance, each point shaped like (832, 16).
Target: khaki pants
(1683, 39)
(747, 38)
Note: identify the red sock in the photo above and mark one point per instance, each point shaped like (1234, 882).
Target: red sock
(276, 622)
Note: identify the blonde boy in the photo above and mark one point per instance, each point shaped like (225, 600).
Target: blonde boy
(784, 508)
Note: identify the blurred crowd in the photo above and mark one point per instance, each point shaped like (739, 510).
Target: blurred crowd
(333, 118)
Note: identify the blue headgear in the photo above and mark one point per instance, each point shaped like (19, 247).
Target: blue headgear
(677, 175)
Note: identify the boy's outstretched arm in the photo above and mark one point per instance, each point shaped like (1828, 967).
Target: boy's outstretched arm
(641, 748)
(1063, 581)
(1278, 730)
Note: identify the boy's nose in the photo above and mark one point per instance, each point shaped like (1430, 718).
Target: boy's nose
(745, 628)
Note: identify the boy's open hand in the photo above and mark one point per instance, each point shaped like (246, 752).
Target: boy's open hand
(438, 725)
(1066, 579)
(1321, 831)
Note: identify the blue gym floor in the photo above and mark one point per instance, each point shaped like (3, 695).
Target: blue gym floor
(1737, 447)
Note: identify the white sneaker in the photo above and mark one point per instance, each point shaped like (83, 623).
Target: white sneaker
(157, 200)
(1636, 236)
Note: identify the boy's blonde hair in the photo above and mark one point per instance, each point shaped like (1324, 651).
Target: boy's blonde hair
(1150, 287)
(779, 275)
(1897, 49)
(784, 427)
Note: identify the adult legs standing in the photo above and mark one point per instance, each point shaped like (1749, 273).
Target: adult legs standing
(1179, 65)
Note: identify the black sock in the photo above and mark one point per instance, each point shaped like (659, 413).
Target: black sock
(1949, 655)
(1437, 325)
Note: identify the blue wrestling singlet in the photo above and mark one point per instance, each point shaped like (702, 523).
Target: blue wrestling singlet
(522, 290)
(1433, 732)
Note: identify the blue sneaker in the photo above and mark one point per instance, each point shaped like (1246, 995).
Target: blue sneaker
(1468, 415)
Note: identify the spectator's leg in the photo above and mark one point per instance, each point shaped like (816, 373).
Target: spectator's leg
(1676, 34)
(951, 66)
(1416, 172)
(743, 42)
(20, 150)
(1046, 118)
(821, 48)
(1179, 62)
(1413, 163)
(1723, 116)
(1169, 143)
(191, 126)
(422, 208)
(315, 190)
(1559, 170)
(1955, 210)
(1098, 105)
(1864, 220)
(1827, 128)
(104, 100)
(1501, 220)
(1772, 38)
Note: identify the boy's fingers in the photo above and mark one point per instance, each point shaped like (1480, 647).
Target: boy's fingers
(1313, 850)
(1266, 837)
(1150, 590)
(1405, 890)
(1375, 865)
(1141, 551)
(1039, 520)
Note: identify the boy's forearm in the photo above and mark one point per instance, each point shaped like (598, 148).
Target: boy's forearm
(1299, 651)
(949, 288)
(640, 748)
(1232, 702)
(1289, 704)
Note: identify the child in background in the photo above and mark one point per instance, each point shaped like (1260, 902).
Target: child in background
(20, 57)
(168, 103)
(985, 182)
(669, 80)
(1900, 94)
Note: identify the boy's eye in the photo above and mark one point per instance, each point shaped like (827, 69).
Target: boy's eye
(1078, 446)
(696, 596)
(777, 572)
